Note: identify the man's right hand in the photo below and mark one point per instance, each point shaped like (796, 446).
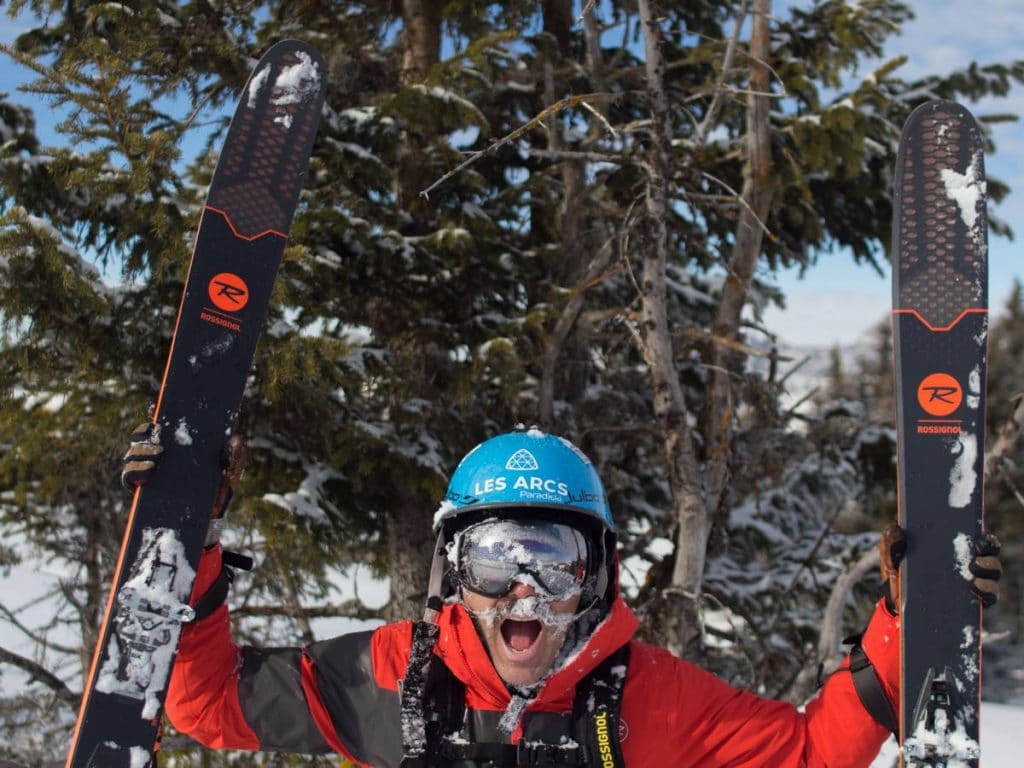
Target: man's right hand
(144, 452)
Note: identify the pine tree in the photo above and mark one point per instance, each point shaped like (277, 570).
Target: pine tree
(405, 328)
(1003, 492)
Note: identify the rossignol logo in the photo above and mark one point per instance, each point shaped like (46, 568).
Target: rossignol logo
(604, 741)
(228, 292)
(939, 396)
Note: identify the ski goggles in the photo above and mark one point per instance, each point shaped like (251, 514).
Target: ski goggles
(492, 556)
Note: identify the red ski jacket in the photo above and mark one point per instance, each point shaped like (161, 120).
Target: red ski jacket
(342, 695)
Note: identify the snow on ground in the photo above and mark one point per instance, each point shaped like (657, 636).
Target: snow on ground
(1001, 729)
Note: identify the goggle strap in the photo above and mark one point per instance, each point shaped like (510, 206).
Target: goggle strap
(438, 566)
(599, 565)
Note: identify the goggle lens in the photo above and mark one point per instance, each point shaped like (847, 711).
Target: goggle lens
(494, 555)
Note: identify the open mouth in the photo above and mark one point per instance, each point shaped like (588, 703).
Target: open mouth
(520, 636)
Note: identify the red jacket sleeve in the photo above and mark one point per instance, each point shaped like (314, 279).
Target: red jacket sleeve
(838, 725)
(678, 714)
(202, 697)
(242, 698)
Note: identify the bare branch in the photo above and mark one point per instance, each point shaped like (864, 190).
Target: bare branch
(593, 157)
(534, 122)
(733, 344)
(41, 674)
(596, 272)
(1007, 437)
(828, 651)
(741, 200)
(32, 635)
(716, 102)
(586, 9)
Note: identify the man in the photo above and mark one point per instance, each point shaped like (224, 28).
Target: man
(525, 655)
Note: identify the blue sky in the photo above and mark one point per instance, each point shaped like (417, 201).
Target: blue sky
(838, 301)
(945, 35)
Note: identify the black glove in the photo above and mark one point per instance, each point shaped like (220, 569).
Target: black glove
(985, 566)
(144, 452)
(232, 463)
(892, 547)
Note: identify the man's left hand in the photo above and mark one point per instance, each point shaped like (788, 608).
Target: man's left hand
(985, 566)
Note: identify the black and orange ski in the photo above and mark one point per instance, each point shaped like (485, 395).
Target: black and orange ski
(238, 248)
(940, 327)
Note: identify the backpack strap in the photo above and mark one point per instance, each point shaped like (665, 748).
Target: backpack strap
(214, 597)
(596, 709)
(422, 669)
(869, 688)
(434, 706)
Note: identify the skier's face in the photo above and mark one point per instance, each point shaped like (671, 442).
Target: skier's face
(521, 631)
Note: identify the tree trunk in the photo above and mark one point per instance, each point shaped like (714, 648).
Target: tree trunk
(421, 41)
(682, 599)
(410, 542)
(570, 219)
(410, 548)
(421, 49)
(725, 364)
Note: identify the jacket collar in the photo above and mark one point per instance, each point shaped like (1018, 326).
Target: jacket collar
(464, 654)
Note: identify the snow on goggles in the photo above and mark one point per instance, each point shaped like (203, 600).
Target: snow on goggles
(492, 556)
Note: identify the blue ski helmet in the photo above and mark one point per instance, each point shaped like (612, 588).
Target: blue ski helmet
(524, 469)
(528, 472)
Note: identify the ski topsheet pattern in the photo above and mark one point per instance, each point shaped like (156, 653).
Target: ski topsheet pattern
(940, 326)
(238, 248)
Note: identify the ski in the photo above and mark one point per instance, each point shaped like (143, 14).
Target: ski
(238, 248)
(940, 325)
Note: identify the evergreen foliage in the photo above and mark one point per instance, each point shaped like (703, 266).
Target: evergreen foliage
(404, 329)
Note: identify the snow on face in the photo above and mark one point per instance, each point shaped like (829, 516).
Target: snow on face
(532, 608)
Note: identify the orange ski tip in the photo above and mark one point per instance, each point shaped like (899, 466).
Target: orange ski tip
(239, 235)
(944, 328)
